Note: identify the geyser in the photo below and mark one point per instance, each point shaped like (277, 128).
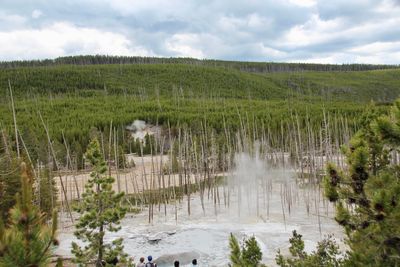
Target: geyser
(262, 201)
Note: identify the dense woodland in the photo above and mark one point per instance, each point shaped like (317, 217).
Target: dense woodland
(188, 81)
(73, 100)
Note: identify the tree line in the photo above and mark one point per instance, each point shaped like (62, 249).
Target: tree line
(257, 67)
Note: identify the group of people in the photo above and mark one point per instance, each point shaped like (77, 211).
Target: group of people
(194, 263)
(150, 262)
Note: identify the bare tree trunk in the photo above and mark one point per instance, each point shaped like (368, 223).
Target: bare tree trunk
(72, 169)
(58, 169)
(99, 261)
(116, 163)
(109, 149)
(14, 118)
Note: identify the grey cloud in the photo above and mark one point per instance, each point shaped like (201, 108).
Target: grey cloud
(224, 29)
(169, 26)
(344, 8)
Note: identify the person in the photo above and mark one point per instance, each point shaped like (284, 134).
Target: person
(176, 264)
(150, 262)
(194, 262)
(141, 263)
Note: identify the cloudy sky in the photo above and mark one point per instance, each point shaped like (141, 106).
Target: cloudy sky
(337, 31)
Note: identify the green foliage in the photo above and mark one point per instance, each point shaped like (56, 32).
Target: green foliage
(251, 252)
(46, 193)
(389, 126)
(10, 184)
(367, 193)
(101, 211)
(27, 239)
(59, 262)
(331, 183)
(327, 254)
(248, 255)
(188, 80)
(148, 145)
(236, 253)
(143, 80)
(74, 117)
(76, 99)
(261, 67)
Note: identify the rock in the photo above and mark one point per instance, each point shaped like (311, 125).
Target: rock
(183, 258)
(171, 232)
(154, 239)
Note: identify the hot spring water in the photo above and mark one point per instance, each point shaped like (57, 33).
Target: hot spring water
(261, 201)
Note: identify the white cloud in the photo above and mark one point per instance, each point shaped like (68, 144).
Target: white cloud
(185, 45)
(312, 32)
(377, 53)
(36, 14)
(252, 22)
(258, 22)
(129, 7)
(381, 58)
(62, 38)
(269, 51)
(304, 3)
(11, 21)
(330, 58)
(357, 55)
(289, 30)
(350, 40)
(376, 48)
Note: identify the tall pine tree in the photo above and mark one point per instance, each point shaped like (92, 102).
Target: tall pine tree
(248, 255)
(101, 211)
(27, 239)
(367, 193)
(236, 253)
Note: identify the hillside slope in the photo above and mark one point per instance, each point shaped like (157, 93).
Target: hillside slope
(183, 80)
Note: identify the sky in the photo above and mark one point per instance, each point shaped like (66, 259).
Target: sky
(320, 31)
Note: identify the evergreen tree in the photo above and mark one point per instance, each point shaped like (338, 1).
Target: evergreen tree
(47, 192)
(121, 158)
(10, 184)
(248, 255)
(367, 193)
(327, 254)
(147, 144)
(27, 240)
(100, 211)
(236, 253)
(251, 252)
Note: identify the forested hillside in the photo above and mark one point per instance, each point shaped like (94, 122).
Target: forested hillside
(186, 80)
(76, 99)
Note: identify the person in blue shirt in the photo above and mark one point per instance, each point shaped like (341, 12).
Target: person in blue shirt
(150, 262)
